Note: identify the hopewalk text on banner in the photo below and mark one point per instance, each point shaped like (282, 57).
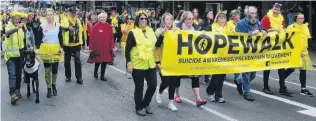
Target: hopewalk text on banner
(200, 53)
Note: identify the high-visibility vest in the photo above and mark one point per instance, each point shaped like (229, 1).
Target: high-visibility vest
(75, 40)
(13, 43)
(142, 55)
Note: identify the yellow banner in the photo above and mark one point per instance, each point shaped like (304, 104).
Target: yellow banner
(201, 53)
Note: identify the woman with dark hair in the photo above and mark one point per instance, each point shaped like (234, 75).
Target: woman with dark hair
(208, 18)
(140, 60)
(187, 24)
(307, 64)
(154, 22)
(92, 20)
(177, 20)
(206, 25)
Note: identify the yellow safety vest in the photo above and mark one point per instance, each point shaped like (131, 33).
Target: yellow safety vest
(13, 43)
(65, 24)
(142, 55)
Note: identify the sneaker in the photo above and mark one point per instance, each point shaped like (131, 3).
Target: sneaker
(68, 80)
(129, 76)
(18, 94)
(200, 102)
(211, 98)
(14, 98)
(220, 100)
(149, 110)
(207, 80)
(285, 92)
(178, 99)
(306, 92)
(158, 98)
(141, 112)
(267, 91)
(248, 97)
(171, 106)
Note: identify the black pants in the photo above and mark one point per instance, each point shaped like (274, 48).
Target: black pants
(168, 81)
(138, 77)
(195, 82)
(302, 76)
(216, 85)
(54, 67)
(73, 51)
(103, 66)
(282, 74)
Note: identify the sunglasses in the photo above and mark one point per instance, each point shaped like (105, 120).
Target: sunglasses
(300, 18)
(129, 18)
(143, 19)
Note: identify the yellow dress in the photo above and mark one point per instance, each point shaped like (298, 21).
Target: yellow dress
(306, 61)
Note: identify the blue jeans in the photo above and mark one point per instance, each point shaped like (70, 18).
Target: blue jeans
(245, 79)
(14, 71)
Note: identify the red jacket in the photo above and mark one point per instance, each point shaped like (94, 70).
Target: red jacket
(101, 42)
(266, 23)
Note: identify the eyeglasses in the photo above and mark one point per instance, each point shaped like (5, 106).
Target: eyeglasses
(143, 19)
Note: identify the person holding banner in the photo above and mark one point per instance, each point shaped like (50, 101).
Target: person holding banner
(252, 26)
(217, 80)
(166, 81)
(140, 60)
(206, 25)
(274, 22)
(187, 24)
(307, 64)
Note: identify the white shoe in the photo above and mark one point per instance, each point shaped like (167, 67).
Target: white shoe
(211, 98)
(159, 98)
(171, 106)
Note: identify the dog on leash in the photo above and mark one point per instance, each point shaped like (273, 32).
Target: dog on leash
(31, 66)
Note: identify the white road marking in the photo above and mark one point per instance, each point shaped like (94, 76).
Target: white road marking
(288, 82)
(309, 109)
(185, 99)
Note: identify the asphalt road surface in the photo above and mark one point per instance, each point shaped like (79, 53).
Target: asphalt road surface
(112, 100)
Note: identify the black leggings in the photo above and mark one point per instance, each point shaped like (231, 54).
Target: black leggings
(195, 82)
(302, 76)
(168, 81)
(216, 85)
(281, 73)
(53, 65)
(103, 66)
(151, 79)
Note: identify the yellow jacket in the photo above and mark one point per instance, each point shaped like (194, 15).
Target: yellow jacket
(231, 25)
(65, 23)
(13, 43)
(142, 55)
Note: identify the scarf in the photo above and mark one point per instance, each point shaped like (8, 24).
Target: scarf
(275, 22)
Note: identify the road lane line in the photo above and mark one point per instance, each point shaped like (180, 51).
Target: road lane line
(288, 82)
(307, 107)
(185, 99)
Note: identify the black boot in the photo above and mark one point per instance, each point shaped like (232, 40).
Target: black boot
(96, 75)
(54, 89)
(49, 92)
